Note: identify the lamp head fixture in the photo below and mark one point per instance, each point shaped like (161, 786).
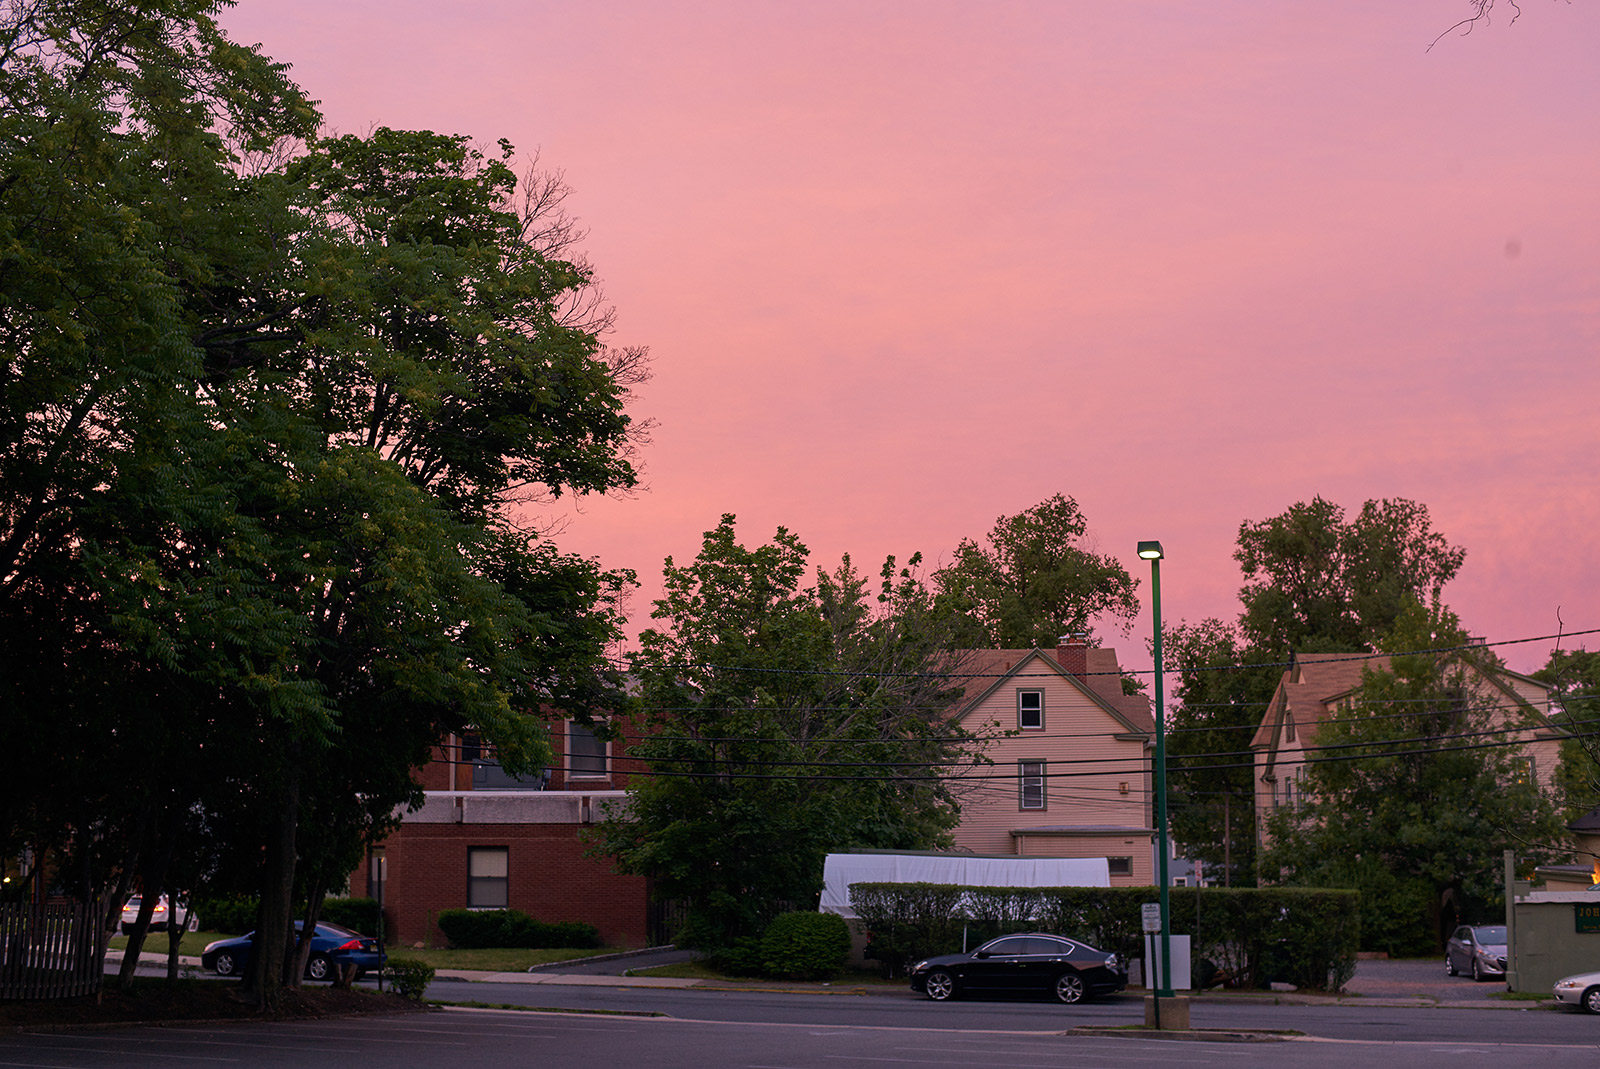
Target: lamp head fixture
(1150, 550)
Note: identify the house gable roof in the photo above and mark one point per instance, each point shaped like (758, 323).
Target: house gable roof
(1101, 683)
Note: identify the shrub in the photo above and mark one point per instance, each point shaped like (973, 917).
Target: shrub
(468, 928)
(1252, 936)
(805, 946)
(228, 914)
(357, 914)
(743, 958)
(409, 977)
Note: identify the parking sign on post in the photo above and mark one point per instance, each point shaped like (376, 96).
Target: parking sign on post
(1151, 912)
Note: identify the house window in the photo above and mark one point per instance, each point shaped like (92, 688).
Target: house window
(1030, 785)
(1522, 770)
(1288, 726)
(586, 754)
(1180, 881)
(1120, 866)
(488, 877)
(1030, 710)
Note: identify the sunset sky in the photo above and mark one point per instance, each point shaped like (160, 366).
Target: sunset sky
(908, 266)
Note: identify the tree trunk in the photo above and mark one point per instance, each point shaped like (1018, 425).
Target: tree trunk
(151, 879)
(264, 981)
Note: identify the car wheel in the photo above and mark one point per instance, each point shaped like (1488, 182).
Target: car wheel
(1591, 1000)
(127, 929)
(1477, 973)
(940, 985)
(1069, 988)
(319, 967)
(1450, 966)
(226, 964)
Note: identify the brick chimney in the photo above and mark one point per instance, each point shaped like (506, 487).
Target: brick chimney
(1072, 653)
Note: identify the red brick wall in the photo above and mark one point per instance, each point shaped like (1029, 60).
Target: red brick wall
(549, 879)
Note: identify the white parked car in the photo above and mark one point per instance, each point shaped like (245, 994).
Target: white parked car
(160, 916)
(1582, 991)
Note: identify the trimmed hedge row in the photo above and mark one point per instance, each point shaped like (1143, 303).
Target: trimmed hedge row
(1245, 937)
(512, 928)
(236, 914)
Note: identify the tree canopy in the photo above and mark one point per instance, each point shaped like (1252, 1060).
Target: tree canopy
(781, 722)
(1033, 580)
(270, 402)
(1315, 581)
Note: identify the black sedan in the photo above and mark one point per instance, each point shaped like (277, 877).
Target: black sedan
(1028, 965)
(332, 948)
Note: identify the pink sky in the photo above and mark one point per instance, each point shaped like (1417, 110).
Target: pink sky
(905, 267)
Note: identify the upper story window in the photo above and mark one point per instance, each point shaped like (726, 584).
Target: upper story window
(1030, 710)
(587, 755)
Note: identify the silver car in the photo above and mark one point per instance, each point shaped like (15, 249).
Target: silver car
(1582, 990)
(1479, 950)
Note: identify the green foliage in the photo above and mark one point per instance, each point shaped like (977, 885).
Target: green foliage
(270, 408)
(1440, 798)
(471, 928)
(1314, 582)
(409, 977)
(1034, 581)
(1250, 936)
(805, 946)
(771, 704)
(230, 914)
(1574, 679)
(357, 914)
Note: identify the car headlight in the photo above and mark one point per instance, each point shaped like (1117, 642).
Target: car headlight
(1111, 961)
(919, 966)
(212, 946)
(1568, 984)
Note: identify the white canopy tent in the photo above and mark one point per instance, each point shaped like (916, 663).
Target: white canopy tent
(839, 871)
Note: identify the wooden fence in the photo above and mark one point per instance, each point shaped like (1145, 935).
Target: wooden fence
(55, 950)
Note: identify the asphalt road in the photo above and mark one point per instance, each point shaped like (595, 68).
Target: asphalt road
(490, 1040)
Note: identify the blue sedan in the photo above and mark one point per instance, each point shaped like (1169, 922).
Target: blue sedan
(332, 949)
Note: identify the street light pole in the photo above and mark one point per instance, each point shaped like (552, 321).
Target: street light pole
(1152, 552)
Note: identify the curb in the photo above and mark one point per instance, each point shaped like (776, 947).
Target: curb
(1191, 1035)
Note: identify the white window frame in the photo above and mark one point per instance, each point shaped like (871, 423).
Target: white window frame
(1038, 695)
(1029, 779)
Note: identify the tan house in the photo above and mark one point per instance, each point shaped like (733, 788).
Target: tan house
(1317, 685)
(1070, 753)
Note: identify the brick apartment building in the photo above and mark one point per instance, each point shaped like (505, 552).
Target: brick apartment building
(485, 840)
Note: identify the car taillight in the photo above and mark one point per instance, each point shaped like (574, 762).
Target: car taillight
(354, 944)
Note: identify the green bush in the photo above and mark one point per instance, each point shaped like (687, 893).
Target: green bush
(743, 958)
(357, 914)
(805, 946)
(228, 914)
(471, 928)
(1250, 936)
(408, 976)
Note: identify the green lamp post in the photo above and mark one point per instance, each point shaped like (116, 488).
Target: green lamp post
(1152, 552)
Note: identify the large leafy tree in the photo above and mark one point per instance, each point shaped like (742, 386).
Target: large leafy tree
(1416, 793)
(1033, 580)
(1315, 581)
(270, 402)
(782, 722)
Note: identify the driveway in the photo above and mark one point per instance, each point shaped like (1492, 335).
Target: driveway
(1419, 978)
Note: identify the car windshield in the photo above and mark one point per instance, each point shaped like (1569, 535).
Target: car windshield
(1492, 935)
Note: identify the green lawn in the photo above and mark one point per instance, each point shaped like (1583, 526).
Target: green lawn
(155, 944)
(496, 959)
